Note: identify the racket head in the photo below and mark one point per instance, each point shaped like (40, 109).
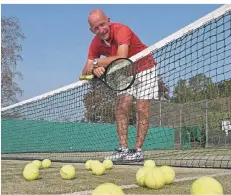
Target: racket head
(120, 74)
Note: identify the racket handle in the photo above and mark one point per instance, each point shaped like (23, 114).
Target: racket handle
(86, 77)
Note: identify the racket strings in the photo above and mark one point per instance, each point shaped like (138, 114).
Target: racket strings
(120, 78)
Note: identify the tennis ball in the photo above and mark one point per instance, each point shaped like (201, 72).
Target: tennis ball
(169, 174)
(108, 164)
(38, 163)
(88, 164)
(31, 172)
(149, 163)
(140, 174)
(206, 185)
(46, 163)
(154, 178)
(98, 169)
(108, 188)
(30, 165)
(67, 172)
(94, 162)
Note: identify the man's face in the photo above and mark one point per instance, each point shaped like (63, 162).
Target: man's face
(101, 27)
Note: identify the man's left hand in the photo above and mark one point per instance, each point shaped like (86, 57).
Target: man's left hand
(99, 71)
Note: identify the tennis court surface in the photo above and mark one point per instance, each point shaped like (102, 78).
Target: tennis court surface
(50, 181)
(189, 126)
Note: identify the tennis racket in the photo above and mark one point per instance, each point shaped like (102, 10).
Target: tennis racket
(119, 75)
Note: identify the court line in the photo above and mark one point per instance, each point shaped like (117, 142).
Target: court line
(88, 192)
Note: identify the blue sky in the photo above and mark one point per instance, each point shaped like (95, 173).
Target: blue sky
(58, 36)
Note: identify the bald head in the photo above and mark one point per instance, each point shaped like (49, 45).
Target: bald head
(99, 24)
(96, 15)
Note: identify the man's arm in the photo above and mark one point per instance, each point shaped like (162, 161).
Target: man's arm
(122, 52)
(93, 53)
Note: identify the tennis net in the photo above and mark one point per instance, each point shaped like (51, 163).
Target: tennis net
(190, 122)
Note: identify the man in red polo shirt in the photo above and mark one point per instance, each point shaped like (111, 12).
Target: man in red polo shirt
(115, 40)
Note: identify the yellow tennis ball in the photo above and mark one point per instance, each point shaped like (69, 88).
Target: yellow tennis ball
(95, 162)
(38, 163)
(108, 164)
(46, 163)
(88, 164)
(169, 174)
(206, 185)
(30, 165)
(108, 188)
(140, 175)
(149, 163)
(31, 172)
(154, 178)
(98, 169)
(67, 172)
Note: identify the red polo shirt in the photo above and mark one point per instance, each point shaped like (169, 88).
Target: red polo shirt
(121, 34)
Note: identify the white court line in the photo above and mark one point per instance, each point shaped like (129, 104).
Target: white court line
(88, 192)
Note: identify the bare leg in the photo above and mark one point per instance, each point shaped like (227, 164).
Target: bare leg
(122, 110)
(143, 114)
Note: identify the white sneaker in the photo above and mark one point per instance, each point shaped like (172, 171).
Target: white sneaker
(136, 155)
(119, 154)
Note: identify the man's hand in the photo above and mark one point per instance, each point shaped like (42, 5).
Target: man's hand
(88, 68)
(99, 71)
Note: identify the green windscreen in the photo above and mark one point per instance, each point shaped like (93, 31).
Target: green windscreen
(43, 136)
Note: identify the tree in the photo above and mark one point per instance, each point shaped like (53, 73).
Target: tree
(202, 88)
(99, 104)
(163, 92)
(181, 92)
(11, 48)
(224, 88)
(198, 87)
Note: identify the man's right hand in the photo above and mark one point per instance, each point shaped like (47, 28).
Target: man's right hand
(88, 68)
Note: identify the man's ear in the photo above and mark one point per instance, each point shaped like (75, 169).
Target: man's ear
(91, 30)
(109, 21)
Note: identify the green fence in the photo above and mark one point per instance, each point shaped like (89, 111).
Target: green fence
(190, 134)
(43, 136)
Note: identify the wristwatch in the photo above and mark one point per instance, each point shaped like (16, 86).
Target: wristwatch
(95, 63)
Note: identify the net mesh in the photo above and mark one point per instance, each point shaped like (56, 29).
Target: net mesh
(189, 123)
